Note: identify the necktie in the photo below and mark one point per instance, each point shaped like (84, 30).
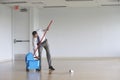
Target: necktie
(38, 39)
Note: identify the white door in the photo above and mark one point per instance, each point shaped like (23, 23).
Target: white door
(20, 33)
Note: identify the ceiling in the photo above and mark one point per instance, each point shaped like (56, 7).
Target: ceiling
(60, 3)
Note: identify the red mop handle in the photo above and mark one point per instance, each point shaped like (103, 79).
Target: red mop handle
(43, 37)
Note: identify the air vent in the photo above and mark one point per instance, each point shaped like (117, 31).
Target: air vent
(79, 0)
(54, 6)
(110, 5)
(23, 10)
(37, 2)
(20, 2)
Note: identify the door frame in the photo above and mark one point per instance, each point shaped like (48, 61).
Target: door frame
(12, 29)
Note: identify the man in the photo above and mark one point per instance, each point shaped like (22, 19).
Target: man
(37, 36)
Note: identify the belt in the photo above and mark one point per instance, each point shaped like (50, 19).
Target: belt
(44, 41)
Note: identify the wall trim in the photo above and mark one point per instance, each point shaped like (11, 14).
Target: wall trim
(22, 57)
(5, 60)
(86, 58)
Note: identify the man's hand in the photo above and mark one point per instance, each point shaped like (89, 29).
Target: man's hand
(37, 57)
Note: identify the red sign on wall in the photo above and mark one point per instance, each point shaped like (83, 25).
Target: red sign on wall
(16, 7)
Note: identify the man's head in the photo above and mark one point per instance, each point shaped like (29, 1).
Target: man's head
(34, 33)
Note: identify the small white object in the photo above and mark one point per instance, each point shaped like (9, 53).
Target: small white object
(71, 71)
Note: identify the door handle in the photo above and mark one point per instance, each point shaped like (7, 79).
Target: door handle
(15, 41)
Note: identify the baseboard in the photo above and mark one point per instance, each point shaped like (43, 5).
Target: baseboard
(86, 58)
(22, 57)
(5, 60)
(19, 57)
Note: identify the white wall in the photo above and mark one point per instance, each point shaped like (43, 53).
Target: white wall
(83, 32)
(36, 21)
(5, 33)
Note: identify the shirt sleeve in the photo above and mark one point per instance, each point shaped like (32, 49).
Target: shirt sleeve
(34, 43)
(41, 33)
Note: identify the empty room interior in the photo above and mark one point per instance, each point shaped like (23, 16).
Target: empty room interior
(59, 39)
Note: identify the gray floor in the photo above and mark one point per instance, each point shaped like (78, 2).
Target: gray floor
(83, 70)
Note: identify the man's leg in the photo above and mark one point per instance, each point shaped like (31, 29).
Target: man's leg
(46, 46)
(39, 54)
(47, 53)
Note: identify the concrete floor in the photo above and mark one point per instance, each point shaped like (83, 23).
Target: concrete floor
(83, 70)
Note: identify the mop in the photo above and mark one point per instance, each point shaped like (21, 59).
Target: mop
(31, 63)
(39, 44)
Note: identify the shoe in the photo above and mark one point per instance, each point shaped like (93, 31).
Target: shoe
(38, 70)
(51, 68)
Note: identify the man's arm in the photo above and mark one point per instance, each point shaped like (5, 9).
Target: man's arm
(34, 44)
(35, 48)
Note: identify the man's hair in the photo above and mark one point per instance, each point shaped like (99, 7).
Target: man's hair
(34, 33)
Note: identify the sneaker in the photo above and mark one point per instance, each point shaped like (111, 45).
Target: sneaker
(51, 68)
(38, 70)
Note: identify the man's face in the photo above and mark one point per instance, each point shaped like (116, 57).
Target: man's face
(35, 36)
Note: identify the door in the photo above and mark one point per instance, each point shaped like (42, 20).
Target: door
(20, 33)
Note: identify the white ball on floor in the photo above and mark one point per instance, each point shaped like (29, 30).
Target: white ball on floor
(71, 71)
